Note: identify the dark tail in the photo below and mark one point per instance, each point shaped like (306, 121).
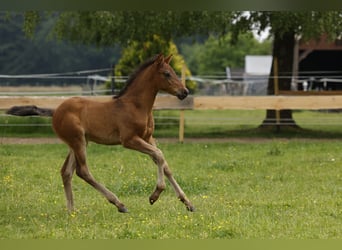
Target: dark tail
(29, 111)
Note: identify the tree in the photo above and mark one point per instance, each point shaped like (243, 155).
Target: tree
(285, 28)
(42, 54)
(107, 28)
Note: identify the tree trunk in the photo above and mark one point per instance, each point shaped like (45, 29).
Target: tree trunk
(283, 48)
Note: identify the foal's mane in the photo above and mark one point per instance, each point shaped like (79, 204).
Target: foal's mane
(134, 75)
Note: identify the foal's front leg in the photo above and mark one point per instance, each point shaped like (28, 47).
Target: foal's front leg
(157, 156)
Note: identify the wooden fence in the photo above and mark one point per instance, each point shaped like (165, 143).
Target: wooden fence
(279, 102)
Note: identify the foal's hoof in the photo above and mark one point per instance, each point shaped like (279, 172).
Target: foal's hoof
(153, 198)
(123, 210)
(152, 201)
(190, 208)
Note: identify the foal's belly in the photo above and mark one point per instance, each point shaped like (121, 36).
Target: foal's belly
(112, 139)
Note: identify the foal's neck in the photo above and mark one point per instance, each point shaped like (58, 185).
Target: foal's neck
(142, 93)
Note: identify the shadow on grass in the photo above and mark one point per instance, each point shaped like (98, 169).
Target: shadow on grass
(269, 132)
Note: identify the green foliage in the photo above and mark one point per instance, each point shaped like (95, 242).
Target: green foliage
(218, 53)
(137, 52)
(105, 28)
(32, 19)
(123, 27)
(239, 189)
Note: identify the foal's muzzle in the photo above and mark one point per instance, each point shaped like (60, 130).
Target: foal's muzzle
(182, 94)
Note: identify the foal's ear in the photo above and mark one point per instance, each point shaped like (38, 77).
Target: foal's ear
(168, 59)
(159, 60)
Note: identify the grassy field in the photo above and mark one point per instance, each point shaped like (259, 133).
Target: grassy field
(260, 190)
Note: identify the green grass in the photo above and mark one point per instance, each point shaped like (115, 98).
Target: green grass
(265, 190)
(26, 126)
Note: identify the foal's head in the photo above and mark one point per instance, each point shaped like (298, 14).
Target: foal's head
(167, 78)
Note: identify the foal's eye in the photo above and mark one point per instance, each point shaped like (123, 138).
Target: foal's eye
(167, 74)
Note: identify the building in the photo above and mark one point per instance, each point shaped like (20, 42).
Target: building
(318, 64)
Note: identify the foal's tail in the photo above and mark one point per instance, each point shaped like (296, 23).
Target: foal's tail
(29, 111)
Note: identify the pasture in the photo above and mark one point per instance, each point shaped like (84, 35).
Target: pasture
(274, 189)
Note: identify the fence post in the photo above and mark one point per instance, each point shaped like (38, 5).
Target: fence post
(112, 82)
(181, 112)
(181, 126)
(276, 90)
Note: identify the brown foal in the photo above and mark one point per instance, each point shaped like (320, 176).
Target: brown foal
(126, 119)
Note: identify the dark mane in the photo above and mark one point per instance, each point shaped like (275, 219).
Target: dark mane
(132, 77)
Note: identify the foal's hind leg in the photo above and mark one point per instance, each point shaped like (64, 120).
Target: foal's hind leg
(67, 172)
(83, 172)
